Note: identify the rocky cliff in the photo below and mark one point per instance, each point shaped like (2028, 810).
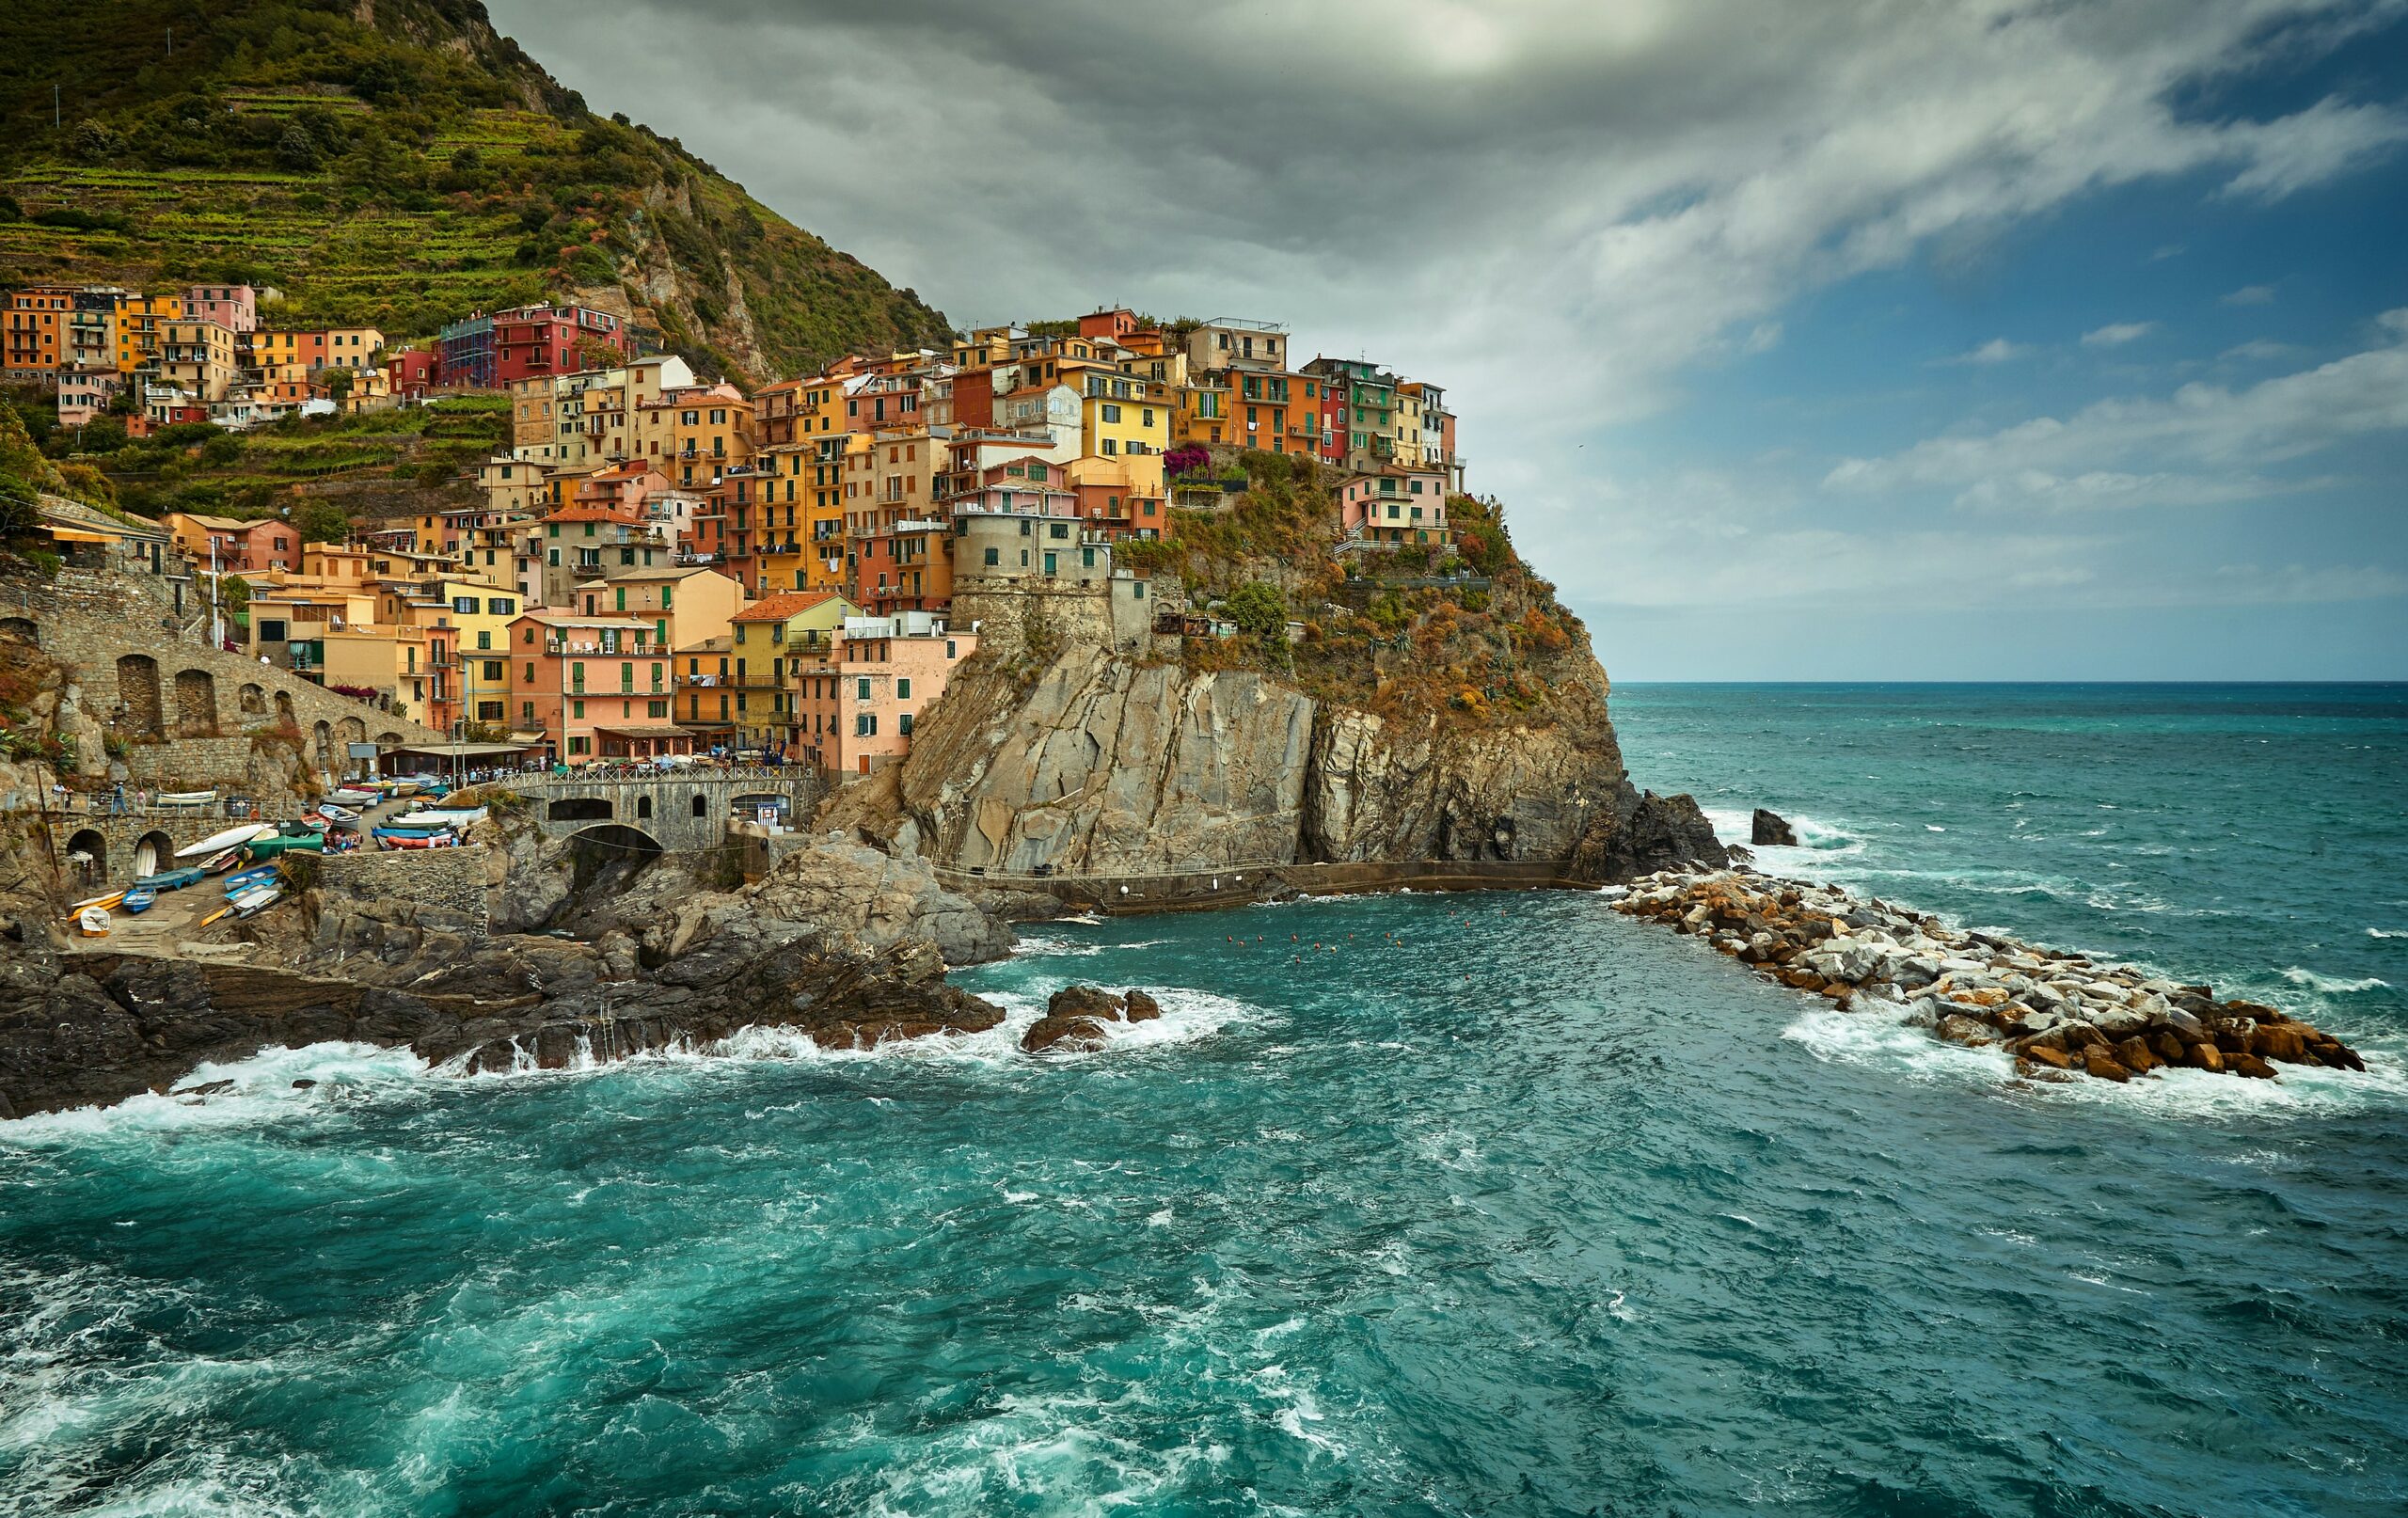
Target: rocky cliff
(1446, 719)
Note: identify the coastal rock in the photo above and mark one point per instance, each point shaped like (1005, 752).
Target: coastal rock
(1977, 988)
(852, 892)
(1769, 829)
(1077, 1018)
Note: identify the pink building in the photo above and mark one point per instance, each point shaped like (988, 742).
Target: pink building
(887, 672)
(1396, 505)
(235, 308)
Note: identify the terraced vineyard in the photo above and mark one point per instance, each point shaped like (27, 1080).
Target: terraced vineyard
(398, 165)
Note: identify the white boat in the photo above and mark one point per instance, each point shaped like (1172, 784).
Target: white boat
(259, 898)
(352, 796)
(183, 798)
(230, 838)
(93, 921)
(341, 817)
(465, 818)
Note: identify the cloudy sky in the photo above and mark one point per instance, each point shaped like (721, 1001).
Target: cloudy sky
(2000, 340)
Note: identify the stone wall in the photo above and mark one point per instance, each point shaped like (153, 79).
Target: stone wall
(452, 881)
(188, 707)
(1012, 616)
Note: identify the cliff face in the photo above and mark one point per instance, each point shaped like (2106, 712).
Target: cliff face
(1103, 762)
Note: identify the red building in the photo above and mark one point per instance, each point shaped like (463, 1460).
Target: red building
(409, 372)
(534, 341)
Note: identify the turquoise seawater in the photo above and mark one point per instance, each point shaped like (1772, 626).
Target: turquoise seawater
(1450, 1205)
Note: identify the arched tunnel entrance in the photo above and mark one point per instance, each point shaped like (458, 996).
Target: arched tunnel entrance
(604, 860)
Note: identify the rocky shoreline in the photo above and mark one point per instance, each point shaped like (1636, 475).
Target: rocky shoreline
(2059, 1015)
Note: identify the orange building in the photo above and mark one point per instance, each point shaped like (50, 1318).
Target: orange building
(37, 331)
(598, 687)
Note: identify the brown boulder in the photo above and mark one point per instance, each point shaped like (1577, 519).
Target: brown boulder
(1956, 1028)
(2136, 1056)
(2169, 1048)
(1077, 1018)
(2056, 1059)
(2250, 1065)
(2281, 1042)
(2204, 1057)
(2097, 1061)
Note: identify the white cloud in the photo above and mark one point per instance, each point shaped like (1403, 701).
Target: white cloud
(1996, 351)
(2203, 444)
(2251, 296)
(2116, 334)
(2262, 350)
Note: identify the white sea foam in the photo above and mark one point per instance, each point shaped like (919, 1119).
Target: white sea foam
(2330, 985)
(262, 1091)
(2386, 933)
(1876, 1034)
(1819, 843)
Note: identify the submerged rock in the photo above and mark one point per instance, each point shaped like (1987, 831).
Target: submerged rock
(1769, 830)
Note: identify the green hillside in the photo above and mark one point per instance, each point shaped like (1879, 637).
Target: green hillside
(396, 163)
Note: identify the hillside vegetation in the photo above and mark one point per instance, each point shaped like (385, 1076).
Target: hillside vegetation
(395, 163)
(1471, 633)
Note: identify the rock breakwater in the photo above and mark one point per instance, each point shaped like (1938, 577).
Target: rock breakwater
(2058, 1014)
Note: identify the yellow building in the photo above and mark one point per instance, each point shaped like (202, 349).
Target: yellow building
(684, 606)
(198, 357)
(1119, 414)
(139, 318)
(770, 642)
(694, 436)
(342, 347)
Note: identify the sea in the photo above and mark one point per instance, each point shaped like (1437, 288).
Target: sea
(1467, 1205)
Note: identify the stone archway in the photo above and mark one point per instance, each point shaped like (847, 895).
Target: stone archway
(93, 867)
(643, 808)
(351, 730)
(579, 809)
(321, 745)
(251, 699)
(196, 704)
(137, 694)
(153, 853)
(21, 629)
(388, 736)
(285, 716)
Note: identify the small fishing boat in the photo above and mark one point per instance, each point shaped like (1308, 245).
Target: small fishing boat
(256, 899)
(230, 838)
(466, 818)
(275, 846)
(183, 798)
(139, 900)
(172, 879)
(352, 796)
(104, 901)
(243, 880)
(339, 816)
(93, 921)
(219, 864)
(440, 838)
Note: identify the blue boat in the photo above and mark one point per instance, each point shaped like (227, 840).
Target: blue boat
(172, 880)
(139, 900)
(243, 881)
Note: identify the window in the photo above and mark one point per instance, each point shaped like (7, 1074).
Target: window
(1059, 530)
(903, 724)
(530, 675)
(949, 648)
(902, 689)
(1111, 412)
(577, 709)
(493, 669)
(656, 708)
(994, 557)
(484, 639)
(465, 605)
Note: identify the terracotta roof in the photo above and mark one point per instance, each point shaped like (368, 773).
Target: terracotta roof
(785, 604)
